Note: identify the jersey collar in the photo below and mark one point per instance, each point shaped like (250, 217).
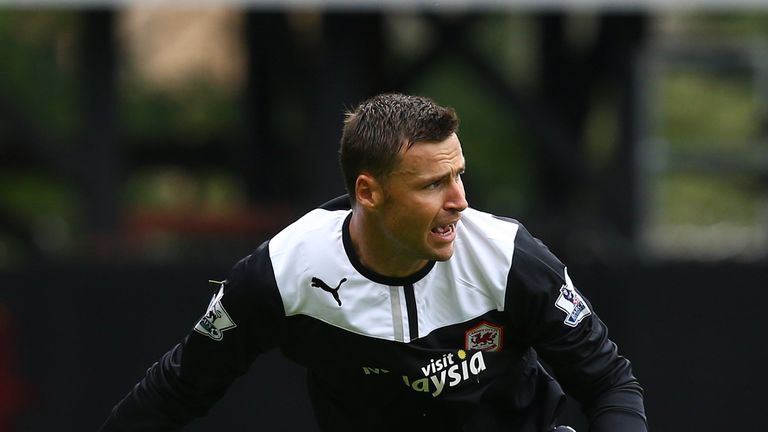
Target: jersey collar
(372, 275)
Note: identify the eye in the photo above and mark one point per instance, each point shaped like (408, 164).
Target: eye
(434, 185)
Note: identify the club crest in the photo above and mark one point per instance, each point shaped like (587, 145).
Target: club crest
(484, 337)
(216, 319)
(570, 302)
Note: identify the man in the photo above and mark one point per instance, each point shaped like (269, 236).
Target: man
(409, 309)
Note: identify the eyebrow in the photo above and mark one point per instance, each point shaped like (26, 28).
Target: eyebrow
(438, 177)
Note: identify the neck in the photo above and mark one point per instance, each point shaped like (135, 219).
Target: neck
(376, 252)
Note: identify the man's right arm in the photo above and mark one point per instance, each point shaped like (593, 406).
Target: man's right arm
(196, 373)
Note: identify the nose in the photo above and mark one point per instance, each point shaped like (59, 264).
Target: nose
(456, 200)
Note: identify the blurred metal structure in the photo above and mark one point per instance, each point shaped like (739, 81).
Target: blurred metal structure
(346, 62)
(741, 160)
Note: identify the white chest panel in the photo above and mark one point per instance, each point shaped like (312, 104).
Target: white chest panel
(310, 263)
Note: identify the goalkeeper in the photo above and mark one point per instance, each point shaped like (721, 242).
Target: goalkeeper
(409, 309)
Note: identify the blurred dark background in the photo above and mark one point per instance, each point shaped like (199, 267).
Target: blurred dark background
(143, 150)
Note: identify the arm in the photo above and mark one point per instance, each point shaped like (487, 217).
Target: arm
(563, 328)
(196, 373)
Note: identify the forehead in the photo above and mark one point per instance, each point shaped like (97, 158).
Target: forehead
(430, 157)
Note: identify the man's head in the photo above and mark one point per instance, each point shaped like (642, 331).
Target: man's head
(378, 130)
(403, 164)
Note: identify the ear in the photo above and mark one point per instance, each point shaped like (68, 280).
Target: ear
(368, 191)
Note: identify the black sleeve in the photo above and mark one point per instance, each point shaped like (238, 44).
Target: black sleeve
(193, 375)
(561, 325)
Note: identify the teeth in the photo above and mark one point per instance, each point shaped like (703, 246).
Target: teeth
(443, 229)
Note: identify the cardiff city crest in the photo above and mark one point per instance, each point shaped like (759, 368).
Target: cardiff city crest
(484, 337)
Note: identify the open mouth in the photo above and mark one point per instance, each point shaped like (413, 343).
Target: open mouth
(444, 230)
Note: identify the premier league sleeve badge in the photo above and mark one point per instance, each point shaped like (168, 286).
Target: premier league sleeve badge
(570, 302)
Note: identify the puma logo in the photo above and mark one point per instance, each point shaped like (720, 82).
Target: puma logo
(317, 283)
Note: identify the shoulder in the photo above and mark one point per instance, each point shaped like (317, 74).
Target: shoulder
(487, 238)
(266, 279)
(313, 226)
(310, 235)
(310, 248)
(507, 234)
(504, 248)
(483, 253)
(489, 225)
(535, 267)
(539, 288)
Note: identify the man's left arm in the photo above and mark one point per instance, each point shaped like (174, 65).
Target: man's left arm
(564, 329)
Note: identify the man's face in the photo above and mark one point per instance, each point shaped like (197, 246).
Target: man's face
(423, 198)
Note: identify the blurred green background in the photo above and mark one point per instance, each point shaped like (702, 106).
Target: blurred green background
(179, 81)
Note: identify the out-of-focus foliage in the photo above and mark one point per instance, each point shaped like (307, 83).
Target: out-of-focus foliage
(181, 73)
(708, 141)
(39, 65)
(39, 85)
(702, 111)
(708, 199)
(713, 26)
(46, 206)
(169, 188)
(200, 112)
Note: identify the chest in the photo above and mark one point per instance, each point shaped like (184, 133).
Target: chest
(449, 361)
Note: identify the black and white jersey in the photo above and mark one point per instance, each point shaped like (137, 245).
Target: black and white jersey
(454, 346)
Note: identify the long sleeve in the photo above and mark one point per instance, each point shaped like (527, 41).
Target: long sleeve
(196, 373)
(563, 328)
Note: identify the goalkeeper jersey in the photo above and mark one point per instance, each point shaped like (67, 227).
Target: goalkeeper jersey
(453, 347)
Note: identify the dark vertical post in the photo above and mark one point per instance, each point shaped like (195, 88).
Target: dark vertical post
(623, 203)
(559, 168)
(346, 71)
(99, 159)
(267, 46)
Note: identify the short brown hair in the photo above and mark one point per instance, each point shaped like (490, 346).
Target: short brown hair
(378, 129)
